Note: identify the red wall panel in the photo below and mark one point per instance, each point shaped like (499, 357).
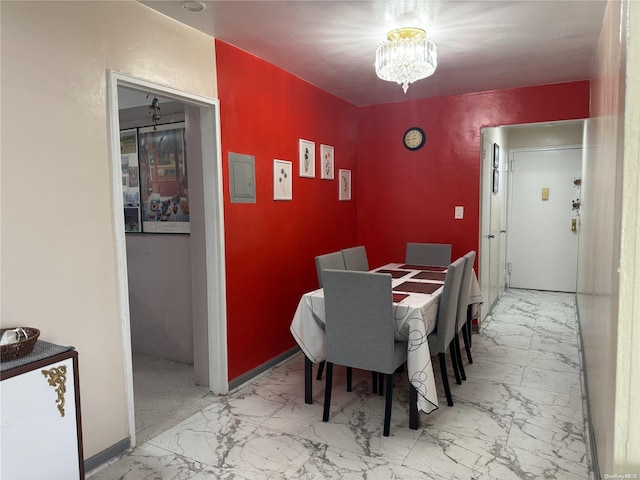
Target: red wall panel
(406, 196)
(271, 245)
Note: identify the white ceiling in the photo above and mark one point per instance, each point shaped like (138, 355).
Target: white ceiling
(482, 45)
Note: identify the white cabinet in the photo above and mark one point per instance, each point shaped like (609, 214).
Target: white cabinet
(41, 433)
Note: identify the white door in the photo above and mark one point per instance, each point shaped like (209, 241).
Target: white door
(543, 239)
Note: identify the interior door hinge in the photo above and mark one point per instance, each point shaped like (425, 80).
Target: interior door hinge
(509, 268)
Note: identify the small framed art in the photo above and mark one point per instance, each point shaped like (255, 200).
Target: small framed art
(307, 158)
(344, 184)
(326, 159)
(282, 181)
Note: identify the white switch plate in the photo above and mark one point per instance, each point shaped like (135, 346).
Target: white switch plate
(459, 213)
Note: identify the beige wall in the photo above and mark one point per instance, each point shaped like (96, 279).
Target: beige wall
(607, 278)
(58, 252)
(626, 456)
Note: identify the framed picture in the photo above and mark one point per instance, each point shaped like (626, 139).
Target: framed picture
(496, 155)
(326, 158)
(496, 179)
(344, 184)
(163, 179)
(282, 180)
(307, 158)
(130, 180)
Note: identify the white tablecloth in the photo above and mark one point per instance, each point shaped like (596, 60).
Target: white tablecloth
(415, 318)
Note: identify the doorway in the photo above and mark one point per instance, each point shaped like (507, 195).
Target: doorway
(205, 240)
(495, 222)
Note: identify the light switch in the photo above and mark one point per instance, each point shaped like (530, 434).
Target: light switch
(545, 194)
(459, 212)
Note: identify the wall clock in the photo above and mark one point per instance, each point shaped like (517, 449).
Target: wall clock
(414, 138)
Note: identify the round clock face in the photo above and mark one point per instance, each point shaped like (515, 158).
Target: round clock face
(414, 138)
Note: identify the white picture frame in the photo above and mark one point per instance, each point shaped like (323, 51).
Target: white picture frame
(282, 180)
(307, 158)
(344, 184)
(326, 162)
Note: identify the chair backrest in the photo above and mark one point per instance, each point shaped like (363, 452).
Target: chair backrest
(359, 320)
(440, 339)
(428, 254)
(465, 285)
(334, 261)
(355, 258)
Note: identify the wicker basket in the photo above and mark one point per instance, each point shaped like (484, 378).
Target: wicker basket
(22, 347)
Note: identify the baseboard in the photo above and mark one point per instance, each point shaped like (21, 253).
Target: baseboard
(251, 374)
(105, 455)
(590, 434)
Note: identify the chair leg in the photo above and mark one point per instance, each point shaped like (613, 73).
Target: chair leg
(466, 336)
(445, 379)
(414, 418)
(349, 377)
(470, 323)
(308, 392)
(456, 342)
(374, 381)
(327, 392)
(387, 406)
(320, 369)
(380, 383)
(454, 362)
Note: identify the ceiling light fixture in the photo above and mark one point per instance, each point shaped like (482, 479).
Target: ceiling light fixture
(194, 6)
(406, 56)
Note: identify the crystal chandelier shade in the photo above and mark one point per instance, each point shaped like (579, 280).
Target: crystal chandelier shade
(406, 56)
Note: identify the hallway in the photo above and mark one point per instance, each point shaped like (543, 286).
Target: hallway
(519, 415)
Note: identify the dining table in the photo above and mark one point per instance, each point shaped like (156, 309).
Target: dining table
(416, 291)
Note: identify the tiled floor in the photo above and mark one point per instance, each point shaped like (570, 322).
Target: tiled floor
(165, 394)
(519, 415)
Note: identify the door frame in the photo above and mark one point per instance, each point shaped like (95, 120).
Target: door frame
(512, 152)
(214, 230)
(484, 242)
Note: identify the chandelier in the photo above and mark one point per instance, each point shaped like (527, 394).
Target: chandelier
(406, 56)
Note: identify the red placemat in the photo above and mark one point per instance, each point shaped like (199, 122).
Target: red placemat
(394, 273)
(426, 275)
(431, 268)
(417, 287)
(398, 297)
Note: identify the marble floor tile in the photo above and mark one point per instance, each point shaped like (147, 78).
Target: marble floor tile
(519, 415)
(553, 381)
(566, 359)
(494, 369)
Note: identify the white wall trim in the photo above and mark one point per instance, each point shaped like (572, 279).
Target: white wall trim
(214, 230)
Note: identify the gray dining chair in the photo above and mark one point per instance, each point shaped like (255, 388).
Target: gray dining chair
(461, 316)
(360, 333)
(355, 258)
(428, 254)
(441, 339)
(463, 323)
(334, 261)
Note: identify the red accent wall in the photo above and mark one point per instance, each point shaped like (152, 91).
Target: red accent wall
(406, 196)
(271, 245)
